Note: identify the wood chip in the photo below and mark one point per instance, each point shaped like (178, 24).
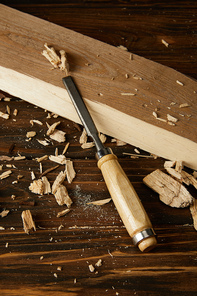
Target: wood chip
(65, 148)
(122, 47)
(179, 166)
(37, 187)
(4, 213)
(61, 159)
(46, 185)
(70, 172)
(169, 164)
(43, 142)
(99, 202)
(19, 157)
(193, 210)
(39, 159)
(31, 134)
(179, 82)
(4, 115)
(165, 43)
(58, 181)
(28, 222)
(170, 191)
(15, 112)
(63, 213)
(128, 94)
(98, 263)
(58, 136)
(171, 118)
(50, 54)
(184, 105)
(4, 157)
(83, 138)
(5, 174)
(87, 145)
(91, 268)
(62, 197)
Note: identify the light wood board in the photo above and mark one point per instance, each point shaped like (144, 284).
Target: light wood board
(100, 74)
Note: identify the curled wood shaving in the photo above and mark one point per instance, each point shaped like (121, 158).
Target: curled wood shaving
(99, 202)
(62, 197)
(52, 128)
(28, 222)
(50, 54)
(32, 121)
(70, 172)
(170, 191)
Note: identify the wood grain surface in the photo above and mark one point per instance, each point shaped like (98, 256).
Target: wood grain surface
(30, 264)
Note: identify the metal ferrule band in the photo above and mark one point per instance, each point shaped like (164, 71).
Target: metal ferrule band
(142, 235)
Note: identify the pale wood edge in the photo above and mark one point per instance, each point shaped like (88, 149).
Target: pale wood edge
(107, 119)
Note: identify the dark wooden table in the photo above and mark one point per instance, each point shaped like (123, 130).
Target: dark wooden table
(54, 260)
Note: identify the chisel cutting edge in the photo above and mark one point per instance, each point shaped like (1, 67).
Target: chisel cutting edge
(122, 192)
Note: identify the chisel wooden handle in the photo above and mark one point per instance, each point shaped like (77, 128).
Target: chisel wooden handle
(127, 203)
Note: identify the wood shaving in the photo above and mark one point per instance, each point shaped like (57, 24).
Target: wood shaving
(5, 174)
(58, 136)
(32, 121)
(62, 197)
(33, 177)
(39, 159)
(43, 142)
(83, 138)
(28, 222)
(170, 191)
(171, 118)
(8, 109)
(184, 105)
(98, 263)
(63, 213)
(15, 112)
(179, 82)
(87, 145)
(52, 128)
(50, 54)
(19, 157)
(37, 187)
(4, 157)
(4, 115)
(193, 210)
(65, 148)
(46, 185)
(4, 213)
(70, 172)
(99, 202)
(61, 159)
(128, 94)
(169, 164)
(179, 166)
(91, 268)
(165, 43)
(30, 134)
(58, 181)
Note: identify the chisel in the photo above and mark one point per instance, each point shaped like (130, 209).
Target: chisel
(122, 192)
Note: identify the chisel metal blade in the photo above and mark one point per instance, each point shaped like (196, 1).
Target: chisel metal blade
(84, 114)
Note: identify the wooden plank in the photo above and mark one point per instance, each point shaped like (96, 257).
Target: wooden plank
(99, 71)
